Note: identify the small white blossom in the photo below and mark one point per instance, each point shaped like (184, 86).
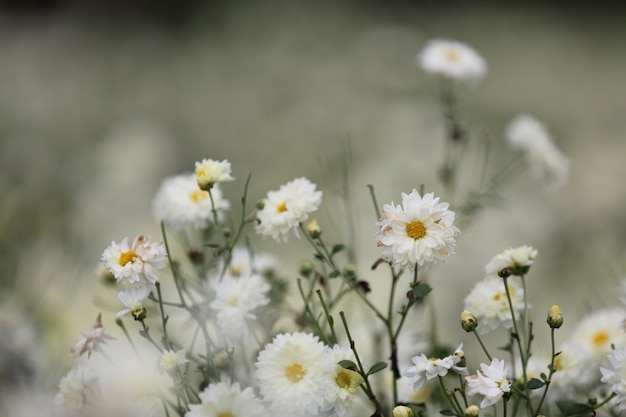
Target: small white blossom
(210, 172)
(132, 298)
(452, 59)
(91, 340)
(490, 381)
(428, 368)
(171, 361)
(129, 264)
(489, 304)
(616, 376)
(518, 260)
(77, 389)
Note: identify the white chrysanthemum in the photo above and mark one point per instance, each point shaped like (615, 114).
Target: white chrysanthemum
(546, 162)
(420, 231)
(133, 299)
(453, 60)
(171, 361)
(129, 264)
(341, 383)
(598, 331)
(210, 172)
(223, 399)
(235, 300)
(490, 381)
(616, 376)
(572, 371)
(181, 203)
(518, 260)
(91, 340)
(489, 304)
(245, 263)
(428, 368)
(291, 371)
(285, 209)
(77, 389)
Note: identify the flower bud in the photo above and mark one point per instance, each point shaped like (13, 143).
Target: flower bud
(402, 411)
(139, 313)
(468, 321)
(306, 268)
(349, 271)
(313, 229)
(505, 273)
(471, 411)
(260, 205)
(227, 232)
(555, 317)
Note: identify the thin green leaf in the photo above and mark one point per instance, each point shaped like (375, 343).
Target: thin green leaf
(377, 367)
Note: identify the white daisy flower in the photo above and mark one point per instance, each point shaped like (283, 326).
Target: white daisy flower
(210, 172)
(77, 389)
(598, 331)
(291, 371)
(490, 381)
(235, 299)
(171, 361)
(223, 399)
(426, 368)
(616, 376)
(518, 260)
(453, 60)
(132, 298)
(91, 340)
(420, 231)
(129, 264)
(341, 383)
(285, 209)
(489, 304)
(546, 162)
(181, 203)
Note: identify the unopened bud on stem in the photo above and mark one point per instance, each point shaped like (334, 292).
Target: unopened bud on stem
(468, 321)
(555, 317)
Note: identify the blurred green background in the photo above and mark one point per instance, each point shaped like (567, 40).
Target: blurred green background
(101, 100)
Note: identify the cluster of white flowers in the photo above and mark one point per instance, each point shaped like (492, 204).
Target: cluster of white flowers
(224, 399)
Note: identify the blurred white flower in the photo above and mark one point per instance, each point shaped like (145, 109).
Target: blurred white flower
(600, 330)
(91, 340)
(490, 381)
(245, 263)
(489, 304)
(452, 59)
(133, 299)
(223, 399)
(210, 172)
(518, 260)
(291, 371)
(285, 209)
(77, 389)
(616, 376)
(181, 203)
(171, 361)
(341, 383)
(572, 371)
(546, 162)
(129, 264)
(420, 231)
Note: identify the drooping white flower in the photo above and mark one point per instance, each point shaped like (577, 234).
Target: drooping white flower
(235, 300)
(181, 203)
(546, 162)
(129, 264)
(341, 384)
(452, 59)
(223, 399)
(210, 172)
(600, 330)
(133, 298)
(285, 209)
(489, 304)
(518, 260)
(490, 381)
(425, 368)
(420, 231)
(91, 340)
(291, 371)
(171, 361)
(616, 376)
(77, 389)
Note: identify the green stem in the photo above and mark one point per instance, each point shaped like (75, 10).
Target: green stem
(164, 318)
(329, 318)
(551, 369)
(482, 345)
(450, 397)
(373, 195)
(172, 267)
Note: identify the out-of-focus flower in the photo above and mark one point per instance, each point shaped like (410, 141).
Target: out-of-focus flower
(616, 376)
(223, 399)
(171, 361)
(489, 303)
(428, 368)
(600, 330)
(517, 260)
(490, 381)
(181, 203)
(130, 263)
(91, 340)
(133, 299)
(77, 389)
(245, 263)
(285, 209)
(572, 370)
(453, 60)
(420, 231)
(546, 162)
(210, 172)
(291, 371)
(341, 383)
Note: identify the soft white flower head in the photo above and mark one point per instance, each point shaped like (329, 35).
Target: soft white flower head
(452, 59)
(181, 203)
(285, 209)
(210, 172)
(245, 263)
(490, 381)
(129, 264)
(600, 330)
(171, 361)
(223, 399)
(615, 376)
(77, 389)
(518, 260)
(235, 300)
(133, 298)
(91, 340)
(420, 231)
(489, 304)
(341, 384)
(572, 371)
(291, 371)
(546, 162)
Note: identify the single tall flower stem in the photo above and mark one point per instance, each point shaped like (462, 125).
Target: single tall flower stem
(373, 195)
(172, 267)
(451, 398)
(146, 335)
(164, 318)
(482, 345)
(552, 369)
(329, 318)
(393, 346)
(312, 318)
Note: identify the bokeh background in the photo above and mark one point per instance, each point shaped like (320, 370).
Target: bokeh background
(101, 100)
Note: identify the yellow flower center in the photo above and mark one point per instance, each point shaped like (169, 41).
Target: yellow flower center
(557, 363)
(600, 338)
(416, 230)
(343, 380)
(127, 257)
(294, 373)
(452, 55)
(199, 195)
(347, 380)
(233, 301)
(281, 207)
(226, 414)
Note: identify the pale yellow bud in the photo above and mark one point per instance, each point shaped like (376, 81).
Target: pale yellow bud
(313, 229)
(402, 411)
(555, 317)
(471, 411)
(468, 321)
